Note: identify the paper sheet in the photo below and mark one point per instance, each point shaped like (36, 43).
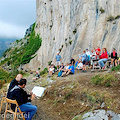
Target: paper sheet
(38, 91)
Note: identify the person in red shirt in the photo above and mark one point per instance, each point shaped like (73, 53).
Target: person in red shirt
(113, 57)
(97, 51)
(103, 58)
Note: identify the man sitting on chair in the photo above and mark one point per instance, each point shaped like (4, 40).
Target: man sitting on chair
(17, 93)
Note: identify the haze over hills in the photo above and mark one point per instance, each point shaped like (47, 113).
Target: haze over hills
(5, 43)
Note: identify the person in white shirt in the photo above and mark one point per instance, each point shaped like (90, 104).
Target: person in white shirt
(92, 56)
(51, 70)
(80, 65)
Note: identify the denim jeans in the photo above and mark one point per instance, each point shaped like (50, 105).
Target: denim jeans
(101, 62)
(29, 110)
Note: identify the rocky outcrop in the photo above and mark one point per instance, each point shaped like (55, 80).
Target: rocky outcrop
(70, 26)
(98, 115)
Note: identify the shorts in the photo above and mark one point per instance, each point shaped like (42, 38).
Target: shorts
(71, 72)
(83, 62)
(57, 62)
(114, 58)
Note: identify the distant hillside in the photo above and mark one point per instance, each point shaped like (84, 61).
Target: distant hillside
(5, 43)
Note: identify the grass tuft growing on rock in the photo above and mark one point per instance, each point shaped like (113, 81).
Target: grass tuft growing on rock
(102, 10)
(110, 18)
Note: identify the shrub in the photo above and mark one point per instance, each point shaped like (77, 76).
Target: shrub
(17, 41)
(70, 42)
(110, 18)
(49, 63)
(8, 63)
(74, 31)
(5, 77)
(116, 68)
(117, 17)
(102, 10)
(60, 49)
(39, 68)
(44, 71)
(105, 80)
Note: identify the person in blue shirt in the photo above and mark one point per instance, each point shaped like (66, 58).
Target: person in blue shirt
(58, 60)
(71, 69)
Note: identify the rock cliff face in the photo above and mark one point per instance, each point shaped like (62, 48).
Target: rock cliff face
(70, 26)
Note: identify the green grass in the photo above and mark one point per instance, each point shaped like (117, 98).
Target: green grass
(105, 80)
(5, 77)
(44, 71)
(116, 68)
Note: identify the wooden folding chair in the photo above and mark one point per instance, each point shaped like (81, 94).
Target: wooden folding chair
(4, 94)
(9, 110)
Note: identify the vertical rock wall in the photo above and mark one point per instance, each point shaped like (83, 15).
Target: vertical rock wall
(70, 26)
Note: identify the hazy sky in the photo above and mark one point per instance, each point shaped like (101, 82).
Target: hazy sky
(16, 16)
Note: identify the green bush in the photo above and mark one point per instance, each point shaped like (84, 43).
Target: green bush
(105, 80)
(49, 63)
(74, 31)
(5, 77)
(44, 71)
(117, 17)
(110, 18)
(70, 42)
(116, 68)
(102, 10)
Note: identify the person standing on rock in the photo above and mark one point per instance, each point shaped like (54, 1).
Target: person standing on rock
(58, 60)
(15, 81)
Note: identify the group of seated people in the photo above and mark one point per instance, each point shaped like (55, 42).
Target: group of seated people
(63, 69)
(87, 59)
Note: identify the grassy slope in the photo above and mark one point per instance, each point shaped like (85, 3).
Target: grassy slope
(73, 95)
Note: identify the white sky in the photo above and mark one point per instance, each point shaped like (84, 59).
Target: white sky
(16, 16)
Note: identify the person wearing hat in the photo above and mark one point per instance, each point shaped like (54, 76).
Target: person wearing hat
(58, 60)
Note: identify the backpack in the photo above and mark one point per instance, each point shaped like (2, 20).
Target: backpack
(60, 73)
(87, 58)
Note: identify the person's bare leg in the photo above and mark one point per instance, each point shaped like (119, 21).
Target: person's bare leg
(115, 62)
(63, 73)
(112, 61)
(50, 73)
(68, 72)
